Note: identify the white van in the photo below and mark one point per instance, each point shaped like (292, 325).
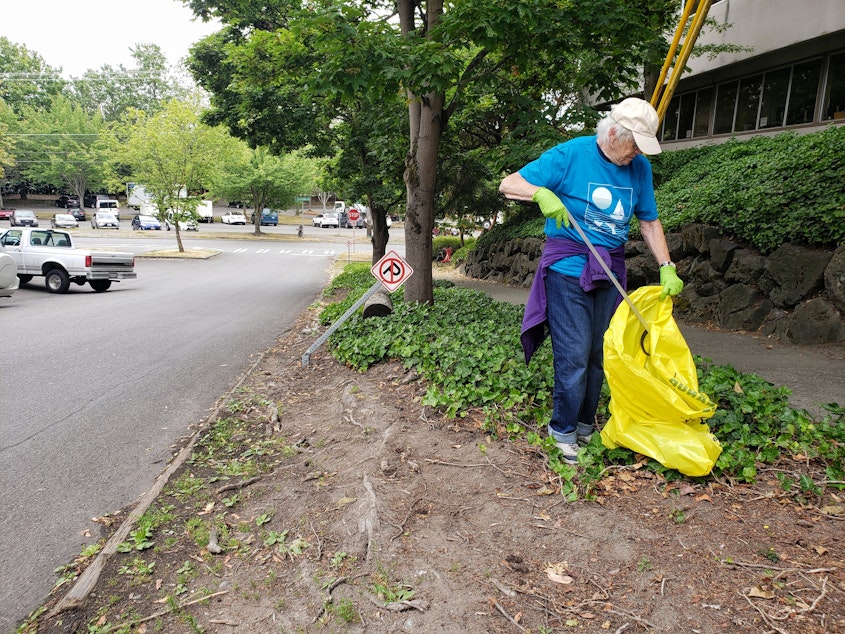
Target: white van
(339, 206)
(110, 206)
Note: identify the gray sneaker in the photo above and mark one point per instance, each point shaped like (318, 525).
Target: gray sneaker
(584, 440)
(569, 452)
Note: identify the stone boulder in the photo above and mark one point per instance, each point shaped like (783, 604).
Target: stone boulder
(815, 322)
(834, 278)
(797, 273)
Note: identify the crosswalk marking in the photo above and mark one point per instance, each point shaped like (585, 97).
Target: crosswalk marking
(312, 252)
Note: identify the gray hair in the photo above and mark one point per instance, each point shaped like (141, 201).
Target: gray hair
(606, 124)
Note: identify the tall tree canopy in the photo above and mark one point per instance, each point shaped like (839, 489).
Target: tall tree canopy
(26, 80)
(278, 69)
(113, 90)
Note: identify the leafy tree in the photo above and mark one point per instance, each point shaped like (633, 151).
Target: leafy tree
(266, 180)
(175, 157)
(7, 146)
(112, 91)
(26, 80)
(62, 146)
(438, 57)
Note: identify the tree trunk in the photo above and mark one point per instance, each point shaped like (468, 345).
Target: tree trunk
(380, 232)
(426, 126)
(420, 183)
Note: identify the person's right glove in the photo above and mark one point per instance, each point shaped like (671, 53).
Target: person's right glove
(669, 280)
(551, 206)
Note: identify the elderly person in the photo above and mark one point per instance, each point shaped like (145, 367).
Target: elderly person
(599, 182)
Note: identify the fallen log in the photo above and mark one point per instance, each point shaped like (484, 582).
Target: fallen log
(378, 305)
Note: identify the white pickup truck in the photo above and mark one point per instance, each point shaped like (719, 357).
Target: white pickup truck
(51, 254)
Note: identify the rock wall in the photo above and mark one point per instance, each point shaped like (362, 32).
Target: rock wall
(795, 294)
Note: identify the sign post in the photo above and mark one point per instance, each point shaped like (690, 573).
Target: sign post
(353, 215)
(391, 272)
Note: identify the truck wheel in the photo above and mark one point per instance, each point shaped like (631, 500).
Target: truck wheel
(25, 278)
(57, 281)
(100, 286)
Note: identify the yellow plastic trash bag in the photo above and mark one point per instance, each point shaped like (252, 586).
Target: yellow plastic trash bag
(655, 406)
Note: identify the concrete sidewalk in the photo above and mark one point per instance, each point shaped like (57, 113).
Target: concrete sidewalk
(814, 374)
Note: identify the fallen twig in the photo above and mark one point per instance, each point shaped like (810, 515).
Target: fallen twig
(455, 464)
(503, 588)
(238, 485)
(506, 615)
(179, 607)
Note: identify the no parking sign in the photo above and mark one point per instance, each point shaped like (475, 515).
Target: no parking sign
(392, 271)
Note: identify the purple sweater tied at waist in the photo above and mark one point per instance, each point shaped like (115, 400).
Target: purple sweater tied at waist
(534, 321)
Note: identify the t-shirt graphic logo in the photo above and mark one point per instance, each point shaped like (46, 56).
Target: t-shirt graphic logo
(608, 208)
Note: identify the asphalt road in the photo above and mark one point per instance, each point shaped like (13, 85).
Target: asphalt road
(99, 387)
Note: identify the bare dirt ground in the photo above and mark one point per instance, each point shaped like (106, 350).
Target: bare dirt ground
(379, 515)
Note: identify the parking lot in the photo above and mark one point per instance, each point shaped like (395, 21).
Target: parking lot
(288, 227)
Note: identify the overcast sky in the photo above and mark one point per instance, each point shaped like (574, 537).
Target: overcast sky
(80, 35)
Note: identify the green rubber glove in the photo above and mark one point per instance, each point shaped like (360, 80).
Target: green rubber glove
(669, 280)
(551, 206)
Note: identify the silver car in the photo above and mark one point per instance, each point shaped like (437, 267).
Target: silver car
(63, 221)
(104, 220)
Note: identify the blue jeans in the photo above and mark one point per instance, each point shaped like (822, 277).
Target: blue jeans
(577, 323)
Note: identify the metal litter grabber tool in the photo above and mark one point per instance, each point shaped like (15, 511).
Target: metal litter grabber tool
(612, 278)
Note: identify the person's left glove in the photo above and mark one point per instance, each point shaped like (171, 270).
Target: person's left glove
(551, 206)
(670, 282)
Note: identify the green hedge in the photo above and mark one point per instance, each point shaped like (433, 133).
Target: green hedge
(765, 191)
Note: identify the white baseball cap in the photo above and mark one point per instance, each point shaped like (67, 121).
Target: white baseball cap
(641, 119)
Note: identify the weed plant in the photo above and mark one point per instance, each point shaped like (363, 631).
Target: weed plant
(466, 349)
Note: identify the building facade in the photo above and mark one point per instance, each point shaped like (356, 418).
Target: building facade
(792, 77)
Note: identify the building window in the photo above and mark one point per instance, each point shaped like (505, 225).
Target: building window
(834, 94)
(670, 120)
(703, 111)
(748, 103)
(723, 122)
(686, 115)
(773, 105)
(803, 92)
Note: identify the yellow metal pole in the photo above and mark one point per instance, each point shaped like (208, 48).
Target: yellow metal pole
(683, 57)
(679, 31)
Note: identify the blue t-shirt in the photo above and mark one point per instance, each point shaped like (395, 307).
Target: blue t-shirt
(600, 195)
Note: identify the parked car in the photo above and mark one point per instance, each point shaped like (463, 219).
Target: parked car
(236, 204)
(63, 221)
(109, 205)
(104, 220)
(5, 214)
(90, 200)
(78, 213)
(146, 223)
(67, 201)
(9, 281)
(317, 220)
(329, 220)
(23, 218)
(233, 218)
(268, 217)
(184, 225)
